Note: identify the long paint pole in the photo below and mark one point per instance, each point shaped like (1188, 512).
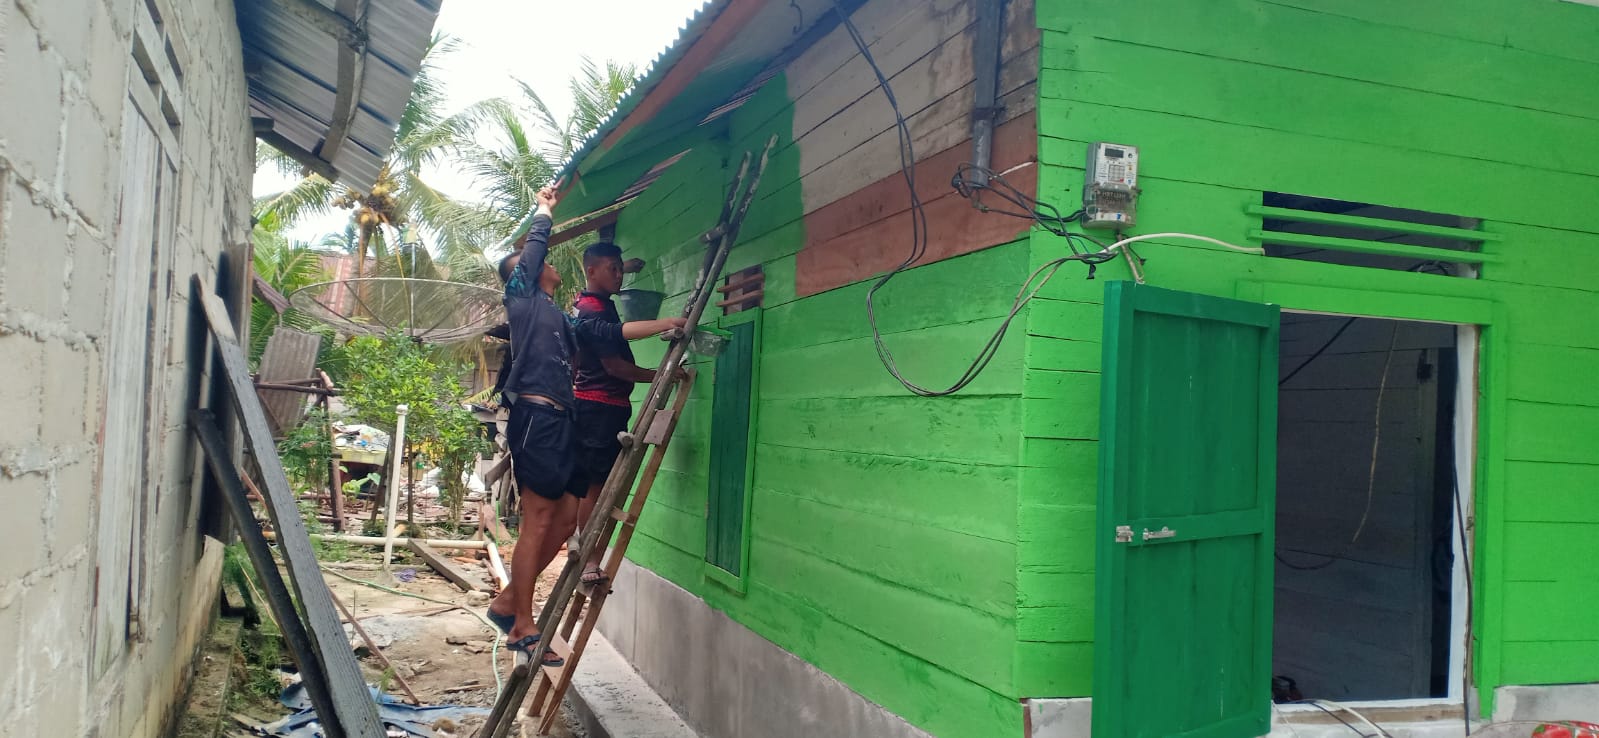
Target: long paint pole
(396, 447)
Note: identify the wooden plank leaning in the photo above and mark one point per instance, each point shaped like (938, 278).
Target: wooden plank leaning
(353, 712)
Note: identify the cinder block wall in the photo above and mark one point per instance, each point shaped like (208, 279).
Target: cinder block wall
(69, 86)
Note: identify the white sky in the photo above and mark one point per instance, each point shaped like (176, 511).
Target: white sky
(537, 41)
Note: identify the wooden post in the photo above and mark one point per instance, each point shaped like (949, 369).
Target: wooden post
(395, 444)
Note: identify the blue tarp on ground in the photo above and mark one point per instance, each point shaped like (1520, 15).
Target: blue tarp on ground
(415, 720)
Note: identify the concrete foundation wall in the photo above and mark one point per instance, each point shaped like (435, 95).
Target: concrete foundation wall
(68, 82)
(722, 678)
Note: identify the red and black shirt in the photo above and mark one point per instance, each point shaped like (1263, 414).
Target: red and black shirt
(591, 381)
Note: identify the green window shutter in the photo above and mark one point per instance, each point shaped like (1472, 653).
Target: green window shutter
(1183, 624)
(732, 432)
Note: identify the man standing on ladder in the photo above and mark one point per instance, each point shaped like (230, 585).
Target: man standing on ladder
(606, 374)
(540, 430)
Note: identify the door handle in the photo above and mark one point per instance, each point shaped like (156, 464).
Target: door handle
(1164, 532)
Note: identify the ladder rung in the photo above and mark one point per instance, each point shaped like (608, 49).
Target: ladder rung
(623, 516)
(559, 647)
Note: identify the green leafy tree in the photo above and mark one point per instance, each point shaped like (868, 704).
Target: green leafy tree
(530, 144)
(386, 371)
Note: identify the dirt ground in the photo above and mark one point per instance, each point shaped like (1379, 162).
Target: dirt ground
(446, 656)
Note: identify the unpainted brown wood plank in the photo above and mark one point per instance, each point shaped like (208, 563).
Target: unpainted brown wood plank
(850, 245)
(443, 565)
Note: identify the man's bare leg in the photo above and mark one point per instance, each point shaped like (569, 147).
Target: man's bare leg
(538, 520)
(592, 573)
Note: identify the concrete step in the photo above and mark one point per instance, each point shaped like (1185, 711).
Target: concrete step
(613, 701)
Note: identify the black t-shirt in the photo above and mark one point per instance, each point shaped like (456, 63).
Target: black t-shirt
(593, 382)
(543, 338)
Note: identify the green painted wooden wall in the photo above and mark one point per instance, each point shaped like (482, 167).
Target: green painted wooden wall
(1479, 108)
(882, 525)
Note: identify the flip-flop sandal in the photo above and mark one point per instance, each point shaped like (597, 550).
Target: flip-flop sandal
(503, 622)
(592, 577)
(523, 649)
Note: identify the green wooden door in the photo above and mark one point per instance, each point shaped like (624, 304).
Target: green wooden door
(1183, 616)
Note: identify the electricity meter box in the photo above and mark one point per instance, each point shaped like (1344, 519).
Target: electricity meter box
(1110, 191)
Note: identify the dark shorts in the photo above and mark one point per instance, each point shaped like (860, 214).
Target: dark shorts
(597, 446)
(543, 442)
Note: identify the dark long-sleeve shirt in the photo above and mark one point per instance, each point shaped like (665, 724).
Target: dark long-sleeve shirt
(543, 338)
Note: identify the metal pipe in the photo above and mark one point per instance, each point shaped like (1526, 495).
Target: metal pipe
(986, 50)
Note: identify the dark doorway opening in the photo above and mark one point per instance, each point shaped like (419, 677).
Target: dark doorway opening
(1366, 489)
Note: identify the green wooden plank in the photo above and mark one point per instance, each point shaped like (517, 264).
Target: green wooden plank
(983, 430)
(1053, 454)
(852, 368)
(1058, 623)
(1371, 247)
(1544, 551)
(1228, 154)
(1553, 374)
(1541, 432)
(1553, 29)
(1539, 492)
(878, 607)
(918, 298)
(928, 696)
(962, 569)
(1378, 224)
(1545, 257)
(1327, 105)
(1549, 316)
(1048, 586)
(1044, 352)
(1054, 669)
(1073, 321)
(1542, 662)
(1326, 44)
(1059, 536)
(1373, 302)
(1530, 616)
(972, 499)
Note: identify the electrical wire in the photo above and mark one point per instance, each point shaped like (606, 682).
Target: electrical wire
(1358, 716)
(494, 655)
(919, 230)
(1371, 477)
(1335, 716)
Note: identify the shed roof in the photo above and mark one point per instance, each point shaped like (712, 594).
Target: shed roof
(329, 79)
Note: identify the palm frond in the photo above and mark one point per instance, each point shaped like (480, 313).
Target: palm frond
(311, 196)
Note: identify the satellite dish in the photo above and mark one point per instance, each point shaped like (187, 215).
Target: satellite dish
(428, 310)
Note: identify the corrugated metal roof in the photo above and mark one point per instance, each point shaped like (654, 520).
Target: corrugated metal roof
(291, 51)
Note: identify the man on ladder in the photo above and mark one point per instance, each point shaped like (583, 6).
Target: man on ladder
(540, 431)
(605, 375)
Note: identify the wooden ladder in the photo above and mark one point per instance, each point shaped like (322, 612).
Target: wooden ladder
(563, 614)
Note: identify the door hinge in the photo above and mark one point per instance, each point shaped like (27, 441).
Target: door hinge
(1124, 534)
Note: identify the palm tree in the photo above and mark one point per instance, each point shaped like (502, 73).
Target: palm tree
(286, 266)
(530, 144)
(399, 197)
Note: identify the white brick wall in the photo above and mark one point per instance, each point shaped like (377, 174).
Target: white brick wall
(64, 76)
